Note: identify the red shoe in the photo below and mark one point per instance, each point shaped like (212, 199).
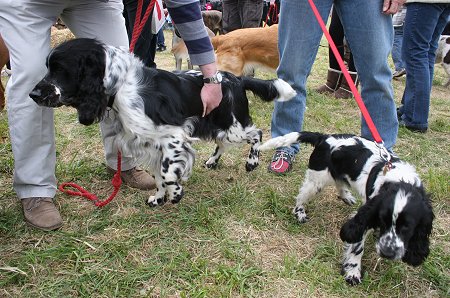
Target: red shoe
(281, 162)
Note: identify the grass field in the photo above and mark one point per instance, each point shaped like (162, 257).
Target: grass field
(232, 235)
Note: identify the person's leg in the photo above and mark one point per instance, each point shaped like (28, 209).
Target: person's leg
(31, 126)
(369, 34)
(337, 34)
(230, 16)
(421, 22)
(298, 40)
(397, 48)
(251, 12)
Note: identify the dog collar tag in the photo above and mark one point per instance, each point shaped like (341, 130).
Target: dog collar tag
(387, 167)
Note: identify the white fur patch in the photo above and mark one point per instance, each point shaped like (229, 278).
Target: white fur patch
(284, 89)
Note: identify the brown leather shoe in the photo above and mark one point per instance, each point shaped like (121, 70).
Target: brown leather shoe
(41, 213)
(136, 178)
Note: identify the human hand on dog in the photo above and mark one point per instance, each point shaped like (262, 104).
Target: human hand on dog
(211, 95)
(392, 6)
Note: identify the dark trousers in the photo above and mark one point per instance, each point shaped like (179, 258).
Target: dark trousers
(145, 47)
(237, 14)
(337, 34)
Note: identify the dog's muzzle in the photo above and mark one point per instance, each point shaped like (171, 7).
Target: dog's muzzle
(46, 94)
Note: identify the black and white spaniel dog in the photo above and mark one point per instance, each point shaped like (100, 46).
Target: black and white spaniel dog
(394, 199)
(158, 112)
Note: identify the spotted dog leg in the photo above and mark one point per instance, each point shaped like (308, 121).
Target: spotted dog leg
(212, 162)
(351, 265)
(314, 182)
(159, 198)
(344, 194)
(254, 137)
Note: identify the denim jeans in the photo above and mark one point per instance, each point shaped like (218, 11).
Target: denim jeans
(370, 36)
(424, 23)
(397, 48)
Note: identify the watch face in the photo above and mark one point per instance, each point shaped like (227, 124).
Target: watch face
(219, 77)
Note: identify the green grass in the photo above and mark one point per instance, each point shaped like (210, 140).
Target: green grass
(232, 235)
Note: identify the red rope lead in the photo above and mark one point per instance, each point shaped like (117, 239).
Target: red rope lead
(116, 182)
(138, 23)
(358, 99)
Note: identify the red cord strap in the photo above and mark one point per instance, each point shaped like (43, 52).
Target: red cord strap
(116, 182)
(358, 99)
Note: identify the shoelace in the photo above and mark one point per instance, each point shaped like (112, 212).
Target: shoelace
(283, 156)
(36, 203)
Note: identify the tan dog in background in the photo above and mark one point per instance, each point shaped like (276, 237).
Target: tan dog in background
(243, 50)
(179, 49)
(213, 23)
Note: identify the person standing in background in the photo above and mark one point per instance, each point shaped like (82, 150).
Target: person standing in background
(238, 14)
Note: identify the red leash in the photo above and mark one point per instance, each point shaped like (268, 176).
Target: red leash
(138, 23)
(358, 99)
(116, 180)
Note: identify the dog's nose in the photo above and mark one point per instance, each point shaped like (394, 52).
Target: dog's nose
(35, 94)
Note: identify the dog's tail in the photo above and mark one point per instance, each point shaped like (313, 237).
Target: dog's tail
(312, 138)
(269, 90)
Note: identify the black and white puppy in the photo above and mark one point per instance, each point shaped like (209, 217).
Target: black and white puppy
(158, 112)
(394, 199)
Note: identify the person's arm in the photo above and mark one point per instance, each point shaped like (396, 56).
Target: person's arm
(187, 17)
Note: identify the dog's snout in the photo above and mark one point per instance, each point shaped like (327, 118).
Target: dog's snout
(387, 252)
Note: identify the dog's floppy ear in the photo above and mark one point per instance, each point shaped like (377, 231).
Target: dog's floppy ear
(353, 230)
(419, 245)
(91, 97)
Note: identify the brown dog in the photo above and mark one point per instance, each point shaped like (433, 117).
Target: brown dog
(213, 20)
(4, 57)
(243, 50)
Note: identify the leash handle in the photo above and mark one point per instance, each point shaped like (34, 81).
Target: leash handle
(358, 99)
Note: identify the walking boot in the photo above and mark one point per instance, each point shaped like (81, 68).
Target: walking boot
(333, 81)
(344, 89)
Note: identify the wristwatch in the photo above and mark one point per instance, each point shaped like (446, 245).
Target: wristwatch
(216, 79)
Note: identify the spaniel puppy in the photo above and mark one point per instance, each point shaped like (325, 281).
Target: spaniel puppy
(158, 112)
(395, 201)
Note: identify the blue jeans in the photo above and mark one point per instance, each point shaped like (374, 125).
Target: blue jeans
(370, 36)
(424, 23)
(397, 48)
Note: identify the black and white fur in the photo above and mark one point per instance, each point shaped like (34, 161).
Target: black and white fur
(443, 55)
(394, 199)
(158, 112)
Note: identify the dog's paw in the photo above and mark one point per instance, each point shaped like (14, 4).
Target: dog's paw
(353, 280)
(251, 166)
(352, 274)
(300, 214)
(211, 164)
(154, 201)
(349, 199)
(177, 197)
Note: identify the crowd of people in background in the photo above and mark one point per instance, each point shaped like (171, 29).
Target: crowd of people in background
(410, 37)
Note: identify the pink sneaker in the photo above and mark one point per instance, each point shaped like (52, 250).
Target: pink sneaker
(281, 162)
